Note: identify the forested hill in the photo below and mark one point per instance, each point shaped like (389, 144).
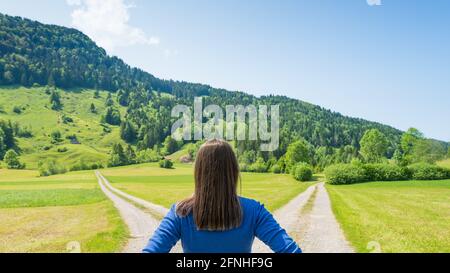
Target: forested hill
(32, 53)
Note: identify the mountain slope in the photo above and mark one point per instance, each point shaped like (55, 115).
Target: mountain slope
(35, 54)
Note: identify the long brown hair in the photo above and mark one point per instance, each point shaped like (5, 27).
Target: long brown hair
(215, 204)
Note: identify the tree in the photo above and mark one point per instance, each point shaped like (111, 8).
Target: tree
(399, 159)
(127, 131)
(374, 145)
(93, 109)
(109, 102)
(96, 94)
(170, 145)
(8, 134)
(427, 150)
(12, 160)
(131, 155)
(112, 116)
(117, 157)
(409, 139)
(298, 151)
(55, 100)
(2, 144)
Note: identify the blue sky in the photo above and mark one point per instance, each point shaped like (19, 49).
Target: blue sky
(388, 63)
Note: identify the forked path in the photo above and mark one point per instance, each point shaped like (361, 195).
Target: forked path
(308, 218)
(141, 222)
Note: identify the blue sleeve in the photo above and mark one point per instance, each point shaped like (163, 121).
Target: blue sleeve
(167, 234)
(270, 232)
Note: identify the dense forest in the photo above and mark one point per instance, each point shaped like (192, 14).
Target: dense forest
(35, 54)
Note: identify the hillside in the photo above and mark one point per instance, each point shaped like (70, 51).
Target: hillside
(92, 142)
(34, 54)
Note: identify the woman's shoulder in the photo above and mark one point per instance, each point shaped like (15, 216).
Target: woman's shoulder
(250, 203)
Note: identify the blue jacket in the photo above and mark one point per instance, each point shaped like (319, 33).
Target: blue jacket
(257, 222)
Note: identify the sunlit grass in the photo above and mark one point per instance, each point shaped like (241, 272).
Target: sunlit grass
(408, 216)
(166, 187)
(43, 214)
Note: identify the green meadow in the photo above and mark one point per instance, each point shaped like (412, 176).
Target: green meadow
(36, 114)
(46, 214)
(168, 186)
(407, 216)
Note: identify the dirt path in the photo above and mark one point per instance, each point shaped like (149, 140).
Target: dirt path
(139, 217)
(316, 228)
(308, 218)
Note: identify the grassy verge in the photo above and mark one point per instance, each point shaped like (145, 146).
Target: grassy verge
(407, 216)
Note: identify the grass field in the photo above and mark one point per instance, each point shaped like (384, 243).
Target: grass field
(45, 214)
(166, 187)
(445, 163)
(412, 216)
(37, 115)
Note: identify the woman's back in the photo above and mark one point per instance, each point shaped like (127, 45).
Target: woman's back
(215, 218)
(256, 222)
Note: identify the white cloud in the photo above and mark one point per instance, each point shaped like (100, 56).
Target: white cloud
(107, 23)
(374, 2)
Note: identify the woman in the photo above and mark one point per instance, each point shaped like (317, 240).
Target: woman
(216, 219)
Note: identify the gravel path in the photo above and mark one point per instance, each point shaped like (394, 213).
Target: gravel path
(308, 218)
(287, 217)
(317, 229)
(141, 224)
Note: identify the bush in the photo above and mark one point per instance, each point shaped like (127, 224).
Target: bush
(345, 174)
(147, 156)
(17, 110)
(258, 167)
(50, 167)
(12, 160)
(166, 164)
(83, 166)
(302, 172)
(426, 171)
(386, 172)
(62, 149)
(276, 169)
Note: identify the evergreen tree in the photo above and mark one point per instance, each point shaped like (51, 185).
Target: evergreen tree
(93, 109)
(117, 157)
(112, 116)
(55, 100)
(109, 102)
(130, 155)
(127, 131)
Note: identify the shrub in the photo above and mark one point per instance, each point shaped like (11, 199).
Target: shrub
(276, 168)
(345, 174)
(12, 160)
(83, 166)
(426, 171)
(17, 110)
(147, 156)
(258, 167)
(62, 149)
(302, 172)
(66, 119)
(56, 136)
(50, 167)
(386, 172)
(166, 164)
